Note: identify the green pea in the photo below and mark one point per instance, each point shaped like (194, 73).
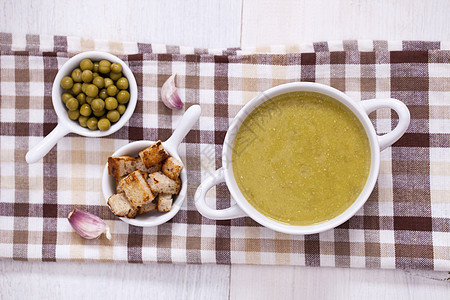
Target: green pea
(121, 109)
(115, 76)
(104, 66)
(85, 110)
(89, 100)
(99, 82)
(104, 124)
(86, 64)
(96, 67)
(112, 90)
(113, 116)
(116, 68)
(92, 123)
(111, 103)
(76, 89)
(123, 97)
(74, 114)
(87, 76)
(82, 120)
(66, 96)
(122, 83)
(72, 104)
(102, 94)
(81, 98)
(108, 82)
(84, 86)
(76, 75)
(98, 105)
(92, 90)
(67, 82)
(95, 74)
(99, 113)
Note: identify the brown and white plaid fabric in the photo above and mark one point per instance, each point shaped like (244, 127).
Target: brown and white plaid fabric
(404, 224)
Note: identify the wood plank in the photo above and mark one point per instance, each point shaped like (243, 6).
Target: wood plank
(187, 23)
(26, 280)
(267, 22)
(286, 282)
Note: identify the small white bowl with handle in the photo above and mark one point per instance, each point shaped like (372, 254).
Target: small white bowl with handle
(154, 218)
(361, 111)
(66, 125)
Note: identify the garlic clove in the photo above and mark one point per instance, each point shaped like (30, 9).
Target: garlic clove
(169, 94)
(87, 225)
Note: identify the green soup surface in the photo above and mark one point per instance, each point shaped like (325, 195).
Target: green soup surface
(301, 158)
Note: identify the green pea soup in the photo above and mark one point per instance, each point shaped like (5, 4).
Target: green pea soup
(301, 158)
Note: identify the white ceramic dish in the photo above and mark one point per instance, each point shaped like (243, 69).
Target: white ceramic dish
(155, 218)
(66, 125)
(360, 110)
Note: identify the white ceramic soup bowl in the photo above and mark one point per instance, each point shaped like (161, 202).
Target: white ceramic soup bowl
(243, 208)
(154, 218)
(66, 125)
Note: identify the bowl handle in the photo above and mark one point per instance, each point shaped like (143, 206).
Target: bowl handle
(213, 179)
(45, 145)
(402, 111)
(188, 120)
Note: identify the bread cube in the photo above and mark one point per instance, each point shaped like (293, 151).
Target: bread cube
(136, 189)
(160, 183)
(139, 165)
(153, 154)
(146, 207)
(172, 168)
(121, 207)
(164, 202)
(121, 166)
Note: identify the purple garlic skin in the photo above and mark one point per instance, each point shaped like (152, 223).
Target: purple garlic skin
(169, 94)
(87, 225)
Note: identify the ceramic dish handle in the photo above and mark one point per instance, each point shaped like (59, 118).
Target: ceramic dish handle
(222, 214)
(190, 117)
(402, 111)
(44, 146)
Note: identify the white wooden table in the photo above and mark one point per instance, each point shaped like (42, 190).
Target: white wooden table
(222, 24)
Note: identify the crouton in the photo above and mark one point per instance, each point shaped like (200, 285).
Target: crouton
(178, 187)
(146, 207)
(139, 165)
(172, 168)
(164, 202)
(153, 154)
(160, 183)
(118, 187)
(136, 189)
(121, 207)
(140, 180)
(121, 166)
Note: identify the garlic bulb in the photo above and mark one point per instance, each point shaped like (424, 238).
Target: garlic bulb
(87, 225)
(169, 94)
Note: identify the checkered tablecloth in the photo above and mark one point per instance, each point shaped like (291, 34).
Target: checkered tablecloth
(404, 224)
